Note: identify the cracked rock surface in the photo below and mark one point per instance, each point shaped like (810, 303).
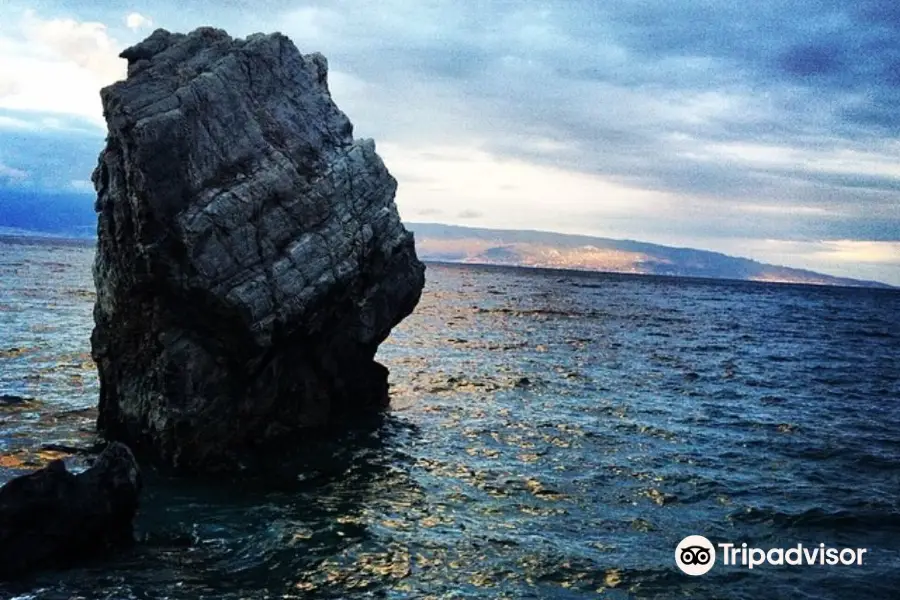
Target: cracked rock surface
(250, 255)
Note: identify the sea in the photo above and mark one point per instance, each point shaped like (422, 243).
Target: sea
(552, 434)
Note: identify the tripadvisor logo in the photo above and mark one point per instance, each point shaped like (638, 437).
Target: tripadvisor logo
(696, 555)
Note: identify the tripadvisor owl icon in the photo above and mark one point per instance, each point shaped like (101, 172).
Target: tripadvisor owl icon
(695, 555)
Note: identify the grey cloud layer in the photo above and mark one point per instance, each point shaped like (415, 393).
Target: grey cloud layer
(637, 92)
(640, 93)
(60, 158)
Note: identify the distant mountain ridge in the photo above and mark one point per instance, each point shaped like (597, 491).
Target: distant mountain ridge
(36, 214)
(452, 243)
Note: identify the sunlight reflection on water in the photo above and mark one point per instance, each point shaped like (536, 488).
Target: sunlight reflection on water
(553, 435)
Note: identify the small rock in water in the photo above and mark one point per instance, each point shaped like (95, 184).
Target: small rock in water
(53, 518)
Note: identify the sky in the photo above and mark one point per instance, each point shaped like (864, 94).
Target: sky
(764, 129)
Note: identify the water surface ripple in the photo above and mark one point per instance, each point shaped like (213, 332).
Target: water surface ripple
(553, 435)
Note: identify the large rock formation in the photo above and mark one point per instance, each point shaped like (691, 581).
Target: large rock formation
(250, 256)
(53, 518)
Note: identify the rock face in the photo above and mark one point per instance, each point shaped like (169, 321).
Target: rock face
(53, 518)
(250, 256)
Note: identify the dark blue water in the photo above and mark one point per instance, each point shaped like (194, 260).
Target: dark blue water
(553, 435)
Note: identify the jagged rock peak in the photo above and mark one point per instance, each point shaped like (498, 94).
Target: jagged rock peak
(250, 255)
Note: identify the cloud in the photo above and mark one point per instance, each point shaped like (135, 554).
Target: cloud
(53, 149)
(12, 174)
(627, 93)
(86, 44)
(8, 85)
(428, 212)
(81, 185)
(812, 60)
(508, 192)
(135, 21)
(854, 252)
(57, 65)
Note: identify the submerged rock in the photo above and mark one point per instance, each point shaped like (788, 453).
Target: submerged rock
(250, 256)
(52, 517)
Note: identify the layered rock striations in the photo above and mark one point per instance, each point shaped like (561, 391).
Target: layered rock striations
(250, 255)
